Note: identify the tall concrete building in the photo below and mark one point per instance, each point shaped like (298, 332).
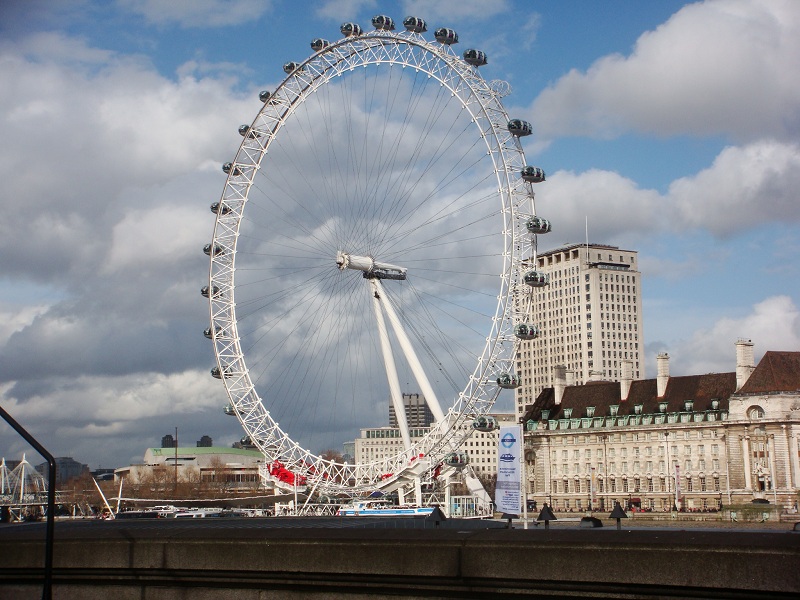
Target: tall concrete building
(417, 412)
(589, 318)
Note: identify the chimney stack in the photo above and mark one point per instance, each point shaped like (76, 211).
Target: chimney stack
(626, 380)
(560, 376)
(745, 363)
(570, 377)
(663, 373)
(595, 375)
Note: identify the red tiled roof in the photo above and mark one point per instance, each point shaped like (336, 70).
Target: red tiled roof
(776, 372)
(702, 389)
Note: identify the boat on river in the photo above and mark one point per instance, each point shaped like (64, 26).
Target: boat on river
(373, 508)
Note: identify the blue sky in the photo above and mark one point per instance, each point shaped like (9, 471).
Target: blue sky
(672, 127)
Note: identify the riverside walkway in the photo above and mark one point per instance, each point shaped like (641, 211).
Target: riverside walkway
(317, 557)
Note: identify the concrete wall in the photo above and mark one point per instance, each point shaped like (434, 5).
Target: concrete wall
(165, 564)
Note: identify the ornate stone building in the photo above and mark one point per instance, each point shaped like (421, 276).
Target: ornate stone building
(694, 442)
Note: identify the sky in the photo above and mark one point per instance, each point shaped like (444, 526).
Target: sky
(670, 128)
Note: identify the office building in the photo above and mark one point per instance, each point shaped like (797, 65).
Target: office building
(589, 318)
(418, 414)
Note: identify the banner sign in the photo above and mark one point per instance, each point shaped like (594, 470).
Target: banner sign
(508, 491)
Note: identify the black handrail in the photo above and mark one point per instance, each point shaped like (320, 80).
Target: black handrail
(47, 590)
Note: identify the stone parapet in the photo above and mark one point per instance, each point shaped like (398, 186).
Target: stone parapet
(136, 561)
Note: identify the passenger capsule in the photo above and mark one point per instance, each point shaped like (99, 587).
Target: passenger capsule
(446, 36)
(382, 22)
(218, 373)
(246, 441)
(264, 95)
(536, 279)
(290, 67)
(229, 410)
(538, 225)
(532, 174)
(458, 460)
(476, 58)
(208, 332)
(508, 381)
(229, 168)
(216, 250)
(526, 331)
(415, 24)
(220, 208)
(243, 130)
(350, 29)
(485, 423)
(319, 44)
(519, 128)
(204, 291)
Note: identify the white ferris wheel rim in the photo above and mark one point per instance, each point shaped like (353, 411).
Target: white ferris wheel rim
(381, 47)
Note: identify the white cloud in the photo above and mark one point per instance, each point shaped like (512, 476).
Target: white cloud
(198, 13)
(745, 187)
(122, 414)
(716, 67)
(86, 129)
(774, 321)
(444, 13)
(167, 235)
(341, 10)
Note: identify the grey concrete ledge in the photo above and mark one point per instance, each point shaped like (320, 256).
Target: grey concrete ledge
(246, 561)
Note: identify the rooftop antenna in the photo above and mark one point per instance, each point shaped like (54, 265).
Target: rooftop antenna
(587, 240)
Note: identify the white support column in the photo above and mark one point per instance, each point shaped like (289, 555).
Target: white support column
(773, 474)
(418, 491)
(793, 458)
(790, 474)
(410, 354)
(391, 369)
(748, 485)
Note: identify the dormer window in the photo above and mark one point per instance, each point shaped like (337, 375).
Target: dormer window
(688, 405)
(545, 414)
(613, 409)
(590, 411)
(662, 407)
(715, 404)
(567, 413)
(637, 409)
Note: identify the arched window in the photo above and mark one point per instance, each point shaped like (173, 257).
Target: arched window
(755, 412)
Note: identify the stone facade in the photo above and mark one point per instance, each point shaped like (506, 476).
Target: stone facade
(481, 448)
(694, 442)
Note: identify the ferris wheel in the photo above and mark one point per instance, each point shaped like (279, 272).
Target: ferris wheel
(375, 240)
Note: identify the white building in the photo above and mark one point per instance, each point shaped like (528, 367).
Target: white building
(589, 319)
(236, 467)
(481, 448)
(695, 442)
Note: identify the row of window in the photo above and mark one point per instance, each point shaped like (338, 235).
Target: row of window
(599, 468)
(635, 452)
(633, 485)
